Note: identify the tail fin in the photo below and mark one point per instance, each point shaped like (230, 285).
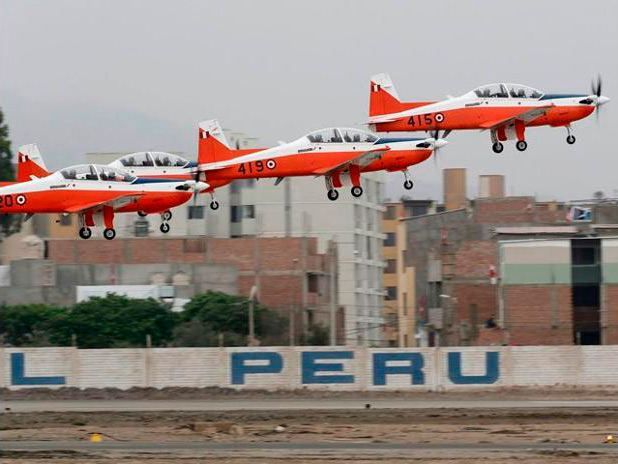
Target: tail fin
(30, 163)
(383, 98)
(212, 145)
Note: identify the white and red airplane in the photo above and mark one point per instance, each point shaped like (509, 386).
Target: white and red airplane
(506, 110)
(94, 192)
(338, 154)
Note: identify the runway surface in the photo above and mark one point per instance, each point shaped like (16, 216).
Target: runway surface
(204, 446)
(278, 404)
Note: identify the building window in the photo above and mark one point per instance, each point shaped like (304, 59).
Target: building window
(249, 212)
(391, 293)
(390, 239)
(312, 283)
(391, 212)
(419, 210)
(236, 214)
(391, 266)
(584, 255)
(65, 220)
(196, 212)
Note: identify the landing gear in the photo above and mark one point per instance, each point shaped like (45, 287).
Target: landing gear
(356, 191)
(497, 147)
(521, 145)
(166, 216)
(570, 137)
(164, 228)
(85, 233)
(214, 205)
(142, 214)
(333, 194)
(407, 184)
(109, 234)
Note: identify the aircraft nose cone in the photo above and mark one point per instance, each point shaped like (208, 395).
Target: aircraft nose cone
(602, 100)
(440, 143)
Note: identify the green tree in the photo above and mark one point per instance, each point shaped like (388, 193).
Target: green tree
(229, 314)
(9, 223)
(28, 325)
(115, 321)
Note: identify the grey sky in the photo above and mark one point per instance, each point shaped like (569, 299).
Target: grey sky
(83, 75)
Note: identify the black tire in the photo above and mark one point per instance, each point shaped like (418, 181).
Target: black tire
(332, 194)
(497, 147)
(214, 205)
(521, 145)
(357, 191)
(85, 233)
(109, 234)
(142, 214)
(167, 215)
(164, 228)
(570, 139)
(408, 185)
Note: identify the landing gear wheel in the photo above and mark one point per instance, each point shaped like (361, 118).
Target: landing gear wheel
(521, 145)
(571, 139)
(164, 228)
(214, 204)
(85, 233)
(497, 147)
(142, 214)
(109, 234)
(332, 194)
(408, 184)
(357, 191)
(167, 215)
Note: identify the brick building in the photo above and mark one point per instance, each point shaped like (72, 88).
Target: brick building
(515, 271)
(289, 273)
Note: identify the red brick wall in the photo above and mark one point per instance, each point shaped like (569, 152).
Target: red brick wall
(474, 257)
(483, 296)
(530, 318)
(610, 332)
(281, 263)
(504, 210)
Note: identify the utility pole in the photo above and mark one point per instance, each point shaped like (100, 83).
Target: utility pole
(252, 296)
(333, 302)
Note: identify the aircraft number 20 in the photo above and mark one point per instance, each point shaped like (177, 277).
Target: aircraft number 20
(7, 200)
(427, 119)
(256, 166)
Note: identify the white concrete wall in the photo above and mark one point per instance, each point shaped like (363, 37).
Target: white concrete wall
(322, 368)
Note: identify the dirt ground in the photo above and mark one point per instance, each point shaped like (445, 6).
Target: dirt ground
(431, 426)
(556, 392)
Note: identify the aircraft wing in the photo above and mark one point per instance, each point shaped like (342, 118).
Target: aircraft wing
(361, 159)
(115, 202)
(524, 116)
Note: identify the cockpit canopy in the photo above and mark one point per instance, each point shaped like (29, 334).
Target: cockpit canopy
(507, 91)
(152, 158)
(341, 135)
(96, 172)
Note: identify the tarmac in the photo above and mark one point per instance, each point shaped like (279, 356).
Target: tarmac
(24, 406)
(313, 447)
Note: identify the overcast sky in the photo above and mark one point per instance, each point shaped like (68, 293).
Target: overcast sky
(82, 76)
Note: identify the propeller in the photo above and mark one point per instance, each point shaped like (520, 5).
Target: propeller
(437, 142)
(595, 98)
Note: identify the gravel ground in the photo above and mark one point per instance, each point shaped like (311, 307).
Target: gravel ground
(521, 426)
